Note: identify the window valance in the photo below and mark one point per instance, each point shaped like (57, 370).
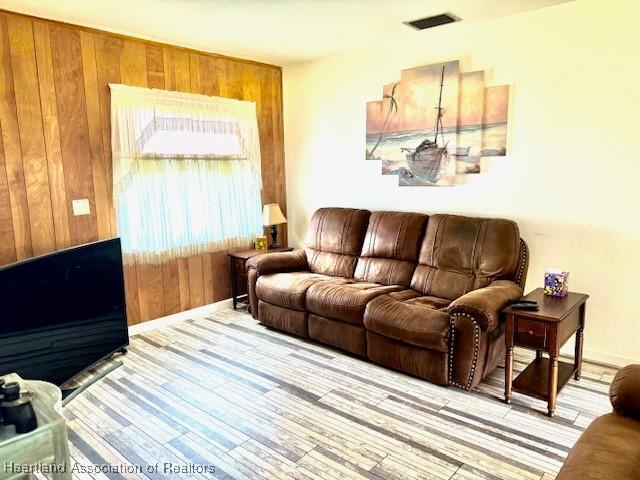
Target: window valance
(193, 127)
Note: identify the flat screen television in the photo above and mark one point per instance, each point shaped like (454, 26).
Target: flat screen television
(63, 312)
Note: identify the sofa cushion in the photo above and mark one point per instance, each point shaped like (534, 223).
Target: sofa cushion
(461, 254)
(287, 289)
(390, 249)
(343, 299)
(334, 240)
(436, 303)
(608, 449)
(415, 298)
(410, 321)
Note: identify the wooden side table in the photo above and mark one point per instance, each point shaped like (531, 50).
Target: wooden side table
(238, 271)
(546, 330)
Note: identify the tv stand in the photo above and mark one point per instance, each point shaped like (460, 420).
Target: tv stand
(71, 393)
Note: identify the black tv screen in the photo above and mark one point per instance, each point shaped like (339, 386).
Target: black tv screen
(62, 312)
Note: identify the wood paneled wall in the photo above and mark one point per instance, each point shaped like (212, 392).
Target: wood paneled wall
(56, 145)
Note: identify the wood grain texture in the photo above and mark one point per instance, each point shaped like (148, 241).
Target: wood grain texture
(278, 151)
(108, 52)
(221, 275)
(131, 293)
(56, 145)
(208, 278)
(196, 281)
(183, 285)
(155, 67)
(7, 244)
(75, 142)
(150, 291)
(50, 128)
(92, 93)
(223, 390)
(182, 71)
(171, 295)
(209, 71)
(168, 69)
(29, 112)
(13, 151)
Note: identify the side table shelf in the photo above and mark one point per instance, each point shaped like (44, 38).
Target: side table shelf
(534, 380)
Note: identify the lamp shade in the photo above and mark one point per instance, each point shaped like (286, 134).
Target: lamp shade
(272, 215)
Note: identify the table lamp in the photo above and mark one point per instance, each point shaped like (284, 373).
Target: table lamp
(272, 216)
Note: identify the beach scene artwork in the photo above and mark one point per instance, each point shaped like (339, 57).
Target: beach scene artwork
(407, 116)
(470, 123)
(436, 122)
(495, 117)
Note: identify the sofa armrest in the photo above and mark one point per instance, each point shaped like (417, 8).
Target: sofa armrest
(278, 262)
(486, 303)
(624, 392)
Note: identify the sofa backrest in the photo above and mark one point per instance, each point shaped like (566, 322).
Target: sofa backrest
(390, 250)
(334, 240)
(461, 254)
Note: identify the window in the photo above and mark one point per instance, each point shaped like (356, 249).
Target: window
(186, 173)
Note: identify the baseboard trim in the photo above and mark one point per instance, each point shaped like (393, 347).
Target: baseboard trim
(606, 358)
(178, 317)
(598, 357)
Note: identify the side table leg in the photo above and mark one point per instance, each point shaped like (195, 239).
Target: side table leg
(234, 291)
(578, 353)
(553, 385)
(508, 374)
(579, 342)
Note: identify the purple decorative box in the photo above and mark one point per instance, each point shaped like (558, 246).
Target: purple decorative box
(556, 282)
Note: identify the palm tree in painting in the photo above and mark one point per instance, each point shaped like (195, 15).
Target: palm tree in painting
(393, 108)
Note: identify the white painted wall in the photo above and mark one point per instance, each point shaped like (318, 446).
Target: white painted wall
(571, 179)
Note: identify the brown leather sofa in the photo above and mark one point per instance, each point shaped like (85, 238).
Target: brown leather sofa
(417, 293)
(610, 447)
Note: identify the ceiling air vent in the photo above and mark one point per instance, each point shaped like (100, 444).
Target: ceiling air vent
(430, 22)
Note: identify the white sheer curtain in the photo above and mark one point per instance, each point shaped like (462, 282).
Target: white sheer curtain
(186, 173)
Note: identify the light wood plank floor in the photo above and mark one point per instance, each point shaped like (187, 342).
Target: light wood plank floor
(224, 392)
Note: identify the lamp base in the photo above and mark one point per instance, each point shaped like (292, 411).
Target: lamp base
(274, 237)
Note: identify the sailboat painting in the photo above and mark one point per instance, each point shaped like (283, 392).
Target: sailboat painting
(421, 108)
(436, 123)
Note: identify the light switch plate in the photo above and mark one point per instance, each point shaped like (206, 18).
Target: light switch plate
(81, 207)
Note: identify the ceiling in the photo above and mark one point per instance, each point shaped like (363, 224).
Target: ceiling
(281, 32)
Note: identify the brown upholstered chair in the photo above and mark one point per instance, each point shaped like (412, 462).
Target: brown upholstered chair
(415, 293)
(610, 447)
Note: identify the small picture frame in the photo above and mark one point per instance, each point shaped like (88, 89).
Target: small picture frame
(261, 243)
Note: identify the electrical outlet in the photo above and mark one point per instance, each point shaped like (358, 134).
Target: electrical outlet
(81, 207)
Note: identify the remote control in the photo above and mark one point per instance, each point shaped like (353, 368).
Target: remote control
(524, 306)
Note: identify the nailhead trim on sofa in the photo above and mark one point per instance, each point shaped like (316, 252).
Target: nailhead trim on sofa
(476, 348)
(524, 250)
